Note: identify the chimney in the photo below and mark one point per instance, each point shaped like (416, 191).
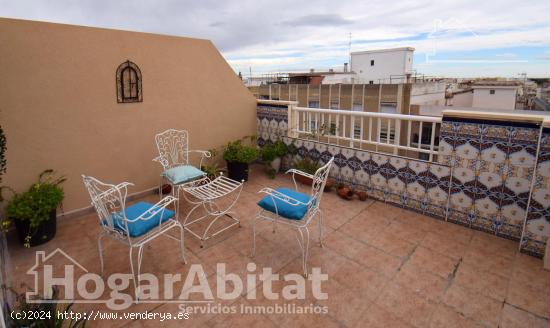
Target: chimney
(345, 67)
(311, 70)
(331, 70)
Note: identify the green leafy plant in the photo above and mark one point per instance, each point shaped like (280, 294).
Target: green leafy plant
(3, 148)
(36, 204)
(273, 150)
(239, 151)
(45, 313)
(307, 165)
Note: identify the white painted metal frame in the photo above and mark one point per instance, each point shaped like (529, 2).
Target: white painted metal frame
(304, 117)
(302, 232)
(110, 200)
(173, 148)
(208, 196)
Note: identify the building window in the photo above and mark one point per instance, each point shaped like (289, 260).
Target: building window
(313, 104)
(492, 91)
(128, 82)
(372, 62)
(371, 82)
(335, 104)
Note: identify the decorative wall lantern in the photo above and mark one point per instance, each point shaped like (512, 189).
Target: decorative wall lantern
(128, 83)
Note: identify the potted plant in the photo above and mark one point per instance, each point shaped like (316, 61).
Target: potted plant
(271, 154)
(34, 212)
(238, 156)
(310, 166)
(212, 169)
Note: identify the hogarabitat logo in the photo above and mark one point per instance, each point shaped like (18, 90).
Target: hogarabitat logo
(90, 287)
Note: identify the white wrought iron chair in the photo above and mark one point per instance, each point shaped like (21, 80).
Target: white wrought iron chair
(295, 209)
(133, 225)
(173, 148)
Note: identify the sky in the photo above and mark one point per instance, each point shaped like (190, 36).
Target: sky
(451, 38)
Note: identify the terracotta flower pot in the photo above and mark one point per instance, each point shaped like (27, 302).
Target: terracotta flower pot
(345, 192)
(362, 195)
(303, 179)
(329, 185)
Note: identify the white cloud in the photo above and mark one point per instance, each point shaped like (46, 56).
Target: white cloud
(284, 34)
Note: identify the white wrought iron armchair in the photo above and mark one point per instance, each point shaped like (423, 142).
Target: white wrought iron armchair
(133, 225)
(295, 209)
(173, 148)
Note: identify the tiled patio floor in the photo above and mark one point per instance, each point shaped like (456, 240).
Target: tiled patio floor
(387, 267)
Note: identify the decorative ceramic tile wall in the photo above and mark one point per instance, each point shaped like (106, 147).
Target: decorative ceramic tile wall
(492, 169)
(537, 226)
(483, 178)
(409, 183)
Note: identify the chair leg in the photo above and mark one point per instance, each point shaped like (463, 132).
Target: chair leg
(182, 246)
(100, 249)
(303, 241)
(134, 279)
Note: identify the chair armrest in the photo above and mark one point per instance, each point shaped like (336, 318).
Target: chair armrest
(282, 197)
(121, 189)
(155, 209)
(204, 154)
(294, 172)
(163, 161)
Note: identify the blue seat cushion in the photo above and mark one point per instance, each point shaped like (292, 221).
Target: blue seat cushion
(284, 209)
(183, 173)
(140, 227)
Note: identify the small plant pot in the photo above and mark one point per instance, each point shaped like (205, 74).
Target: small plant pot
(362, 195)
(44, 233)
(276, 164)
(345, 193)
(303, 179)
(237, 171)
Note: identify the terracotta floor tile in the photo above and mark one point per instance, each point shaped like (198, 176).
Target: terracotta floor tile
(483, 282)
(474, 306)
(513, 317)
(455, 232)
(530, 271)
(345, 304)
(360, 278)
(390, 243)
(377, 317)
(446, 317)
(406, 305)
(496, 264)
(443, 245)
(407, 231)
(530, 299)
(422, 282)
(431, 261)
(484, 242)
(378, 261)
(364, 228)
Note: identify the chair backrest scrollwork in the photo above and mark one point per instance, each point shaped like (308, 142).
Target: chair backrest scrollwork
(173, 147)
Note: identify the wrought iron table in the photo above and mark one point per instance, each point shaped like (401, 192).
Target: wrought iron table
(208, 195)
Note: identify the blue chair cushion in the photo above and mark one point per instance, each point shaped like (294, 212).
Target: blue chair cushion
(140, 227)
(286, 210)
(183, 173)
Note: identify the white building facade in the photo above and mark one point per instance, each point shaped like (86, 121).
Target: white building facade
(488, 96)
(380, 66)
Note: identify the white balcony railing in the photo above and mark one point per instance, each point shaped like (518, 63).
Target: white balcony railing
(396, 133)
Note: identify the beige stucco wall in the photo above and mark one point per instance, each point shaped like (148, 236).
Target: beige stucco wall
(58, 102)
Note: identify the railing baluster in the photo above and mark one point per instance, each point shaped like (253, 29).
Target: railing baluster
(352, 130)
(419, 146)
(432, 142)
(388, 132)
(370, 129)
(397, 135)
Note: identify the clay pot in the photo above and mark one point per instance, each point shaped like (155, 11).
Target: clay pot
(345, 192)
(362, 195)
(329, 185)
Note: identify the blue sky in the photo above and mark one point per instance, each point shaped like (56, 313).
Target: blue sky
(464, 38)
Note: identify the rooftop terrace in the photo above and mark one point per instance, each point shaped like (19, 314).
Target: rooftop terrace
(387, 267)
